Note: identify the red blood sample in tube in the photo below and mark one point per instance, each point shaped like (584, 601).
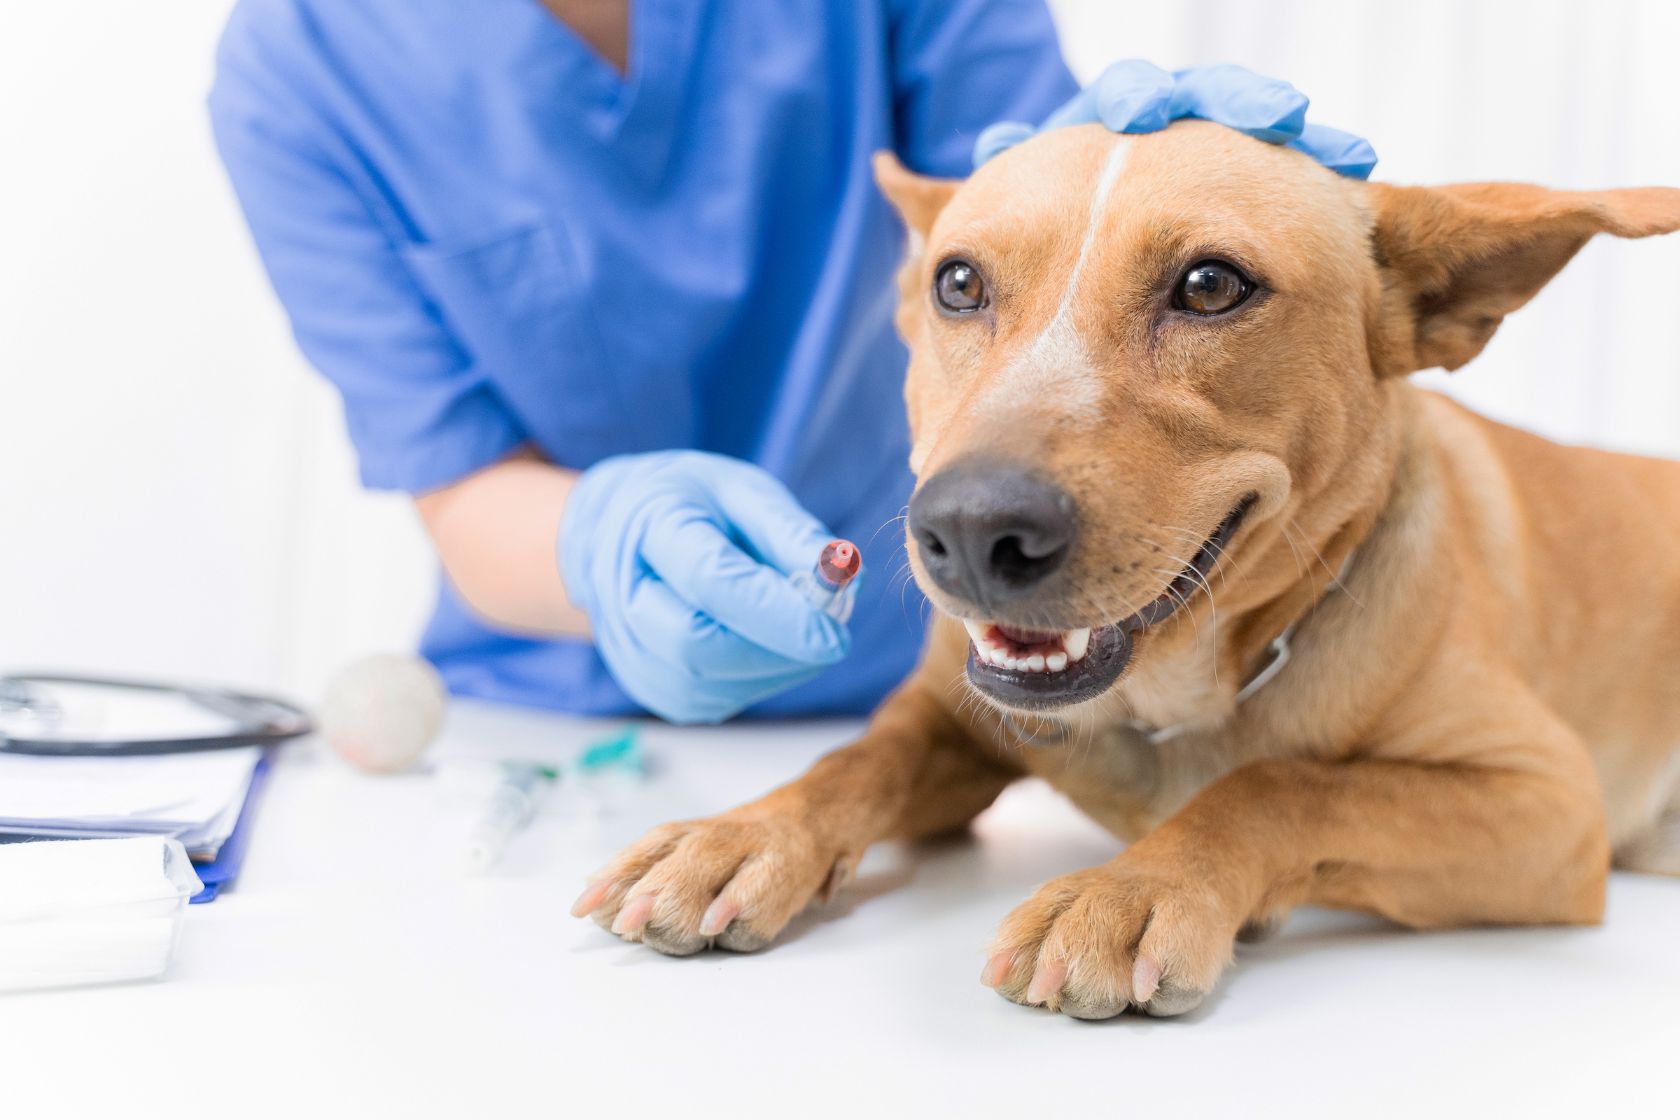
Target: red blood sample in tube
(839, 562)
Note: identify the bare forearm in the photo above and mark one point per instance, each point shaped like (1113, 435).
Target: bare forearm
(496, 532)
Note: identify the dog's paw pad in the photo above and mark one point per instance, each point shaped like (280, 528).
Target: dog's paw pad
(1088, 1005)
(1173, 999)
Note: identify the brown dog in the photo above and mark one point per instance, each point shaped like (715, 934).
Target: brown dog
(1160, 418)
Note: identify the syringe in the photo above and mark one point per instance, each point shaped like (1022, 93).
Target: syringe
(511, 808)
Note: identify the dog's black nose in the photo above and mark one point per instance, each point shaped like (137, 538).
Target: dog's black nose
(990, 533)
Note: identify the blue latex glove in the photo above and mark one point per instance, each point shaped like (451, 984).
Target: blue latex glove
(1138, 96)
(680, 559)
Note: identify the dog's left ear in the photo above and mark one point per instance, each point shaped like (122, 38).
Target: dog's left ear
(918, 198)
(1456, 260)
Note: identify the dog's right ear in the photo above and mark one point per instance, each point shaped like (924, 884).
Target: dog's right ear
(1456, 260)
(918, 198)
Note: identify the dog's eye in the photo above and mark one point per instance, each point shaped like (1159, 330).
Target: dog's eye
(958, 287)
(1210, 288)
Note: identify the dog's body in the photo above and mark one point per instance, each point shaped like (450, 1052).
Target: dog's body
(1479, 703)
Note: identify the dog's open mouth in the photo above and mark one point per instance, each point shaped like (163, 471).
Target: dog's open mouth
(1037, 669)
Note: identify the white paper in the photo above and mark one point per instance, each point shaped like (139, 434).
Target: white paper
(195, 795)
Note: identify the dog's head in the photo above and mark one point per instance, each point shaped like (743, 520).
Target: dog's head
(1141, 363)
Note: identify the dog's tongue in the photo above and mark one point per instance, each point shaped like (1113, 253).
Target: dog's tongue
(1024, 637)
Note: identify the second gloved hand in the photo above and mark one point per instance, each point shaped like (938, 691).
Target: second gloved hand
(681, 561)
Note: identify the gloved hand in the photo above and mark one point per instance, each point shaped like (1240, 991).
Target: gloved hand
(680, 559)
(1138, 96)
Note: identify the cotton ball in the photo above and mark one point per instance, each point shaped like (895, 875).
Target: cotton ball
(380, 713)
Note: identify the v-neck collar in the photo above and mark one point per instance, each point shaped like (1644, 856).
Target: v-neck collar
(633, 114)
(598, 81)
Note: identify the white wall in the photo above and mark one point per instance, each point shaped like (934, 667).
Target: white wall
(176, 494)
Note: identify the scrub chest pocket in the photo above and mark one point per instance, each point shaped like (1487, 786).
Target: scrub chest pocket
(517, 305)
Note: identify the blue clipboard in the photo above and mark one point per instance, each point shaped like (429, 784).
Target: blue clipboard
(224, 869)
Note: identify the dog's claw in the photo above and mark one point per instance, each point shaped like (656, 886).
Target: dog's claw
(634, 915)
(1047, 980)
(996, 970)
(593, 895)
(718, 915)
(1146, 978)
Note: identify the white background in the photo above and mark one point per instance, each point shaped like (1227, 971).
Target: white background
(176, 493)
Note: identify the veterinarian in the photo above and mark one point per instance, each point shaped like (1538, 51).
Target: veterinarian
(608, 288)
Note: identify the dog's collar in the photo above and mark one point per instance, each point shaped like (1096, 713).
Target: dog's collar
(1276, 657)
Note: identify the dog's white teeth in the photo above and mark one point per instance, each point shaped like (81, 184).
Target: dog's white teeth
(993, 649)
(985, 649)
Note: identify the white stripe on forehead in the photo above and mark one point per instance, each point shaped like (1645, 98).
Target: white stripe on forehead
(1057, 362)
(1111, 168)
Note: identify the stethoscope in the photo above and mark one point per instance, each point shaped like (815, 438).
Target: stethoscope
(28, 713)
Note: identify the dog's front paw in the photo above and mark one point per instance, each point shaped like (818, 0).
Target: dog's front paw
(732, 881)
(1098, 941)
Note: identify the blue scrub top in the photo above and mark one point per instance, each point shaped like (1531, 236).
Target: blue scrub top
(485, 236)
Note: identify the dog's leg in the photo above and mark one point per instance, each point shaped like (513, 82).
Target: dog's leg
(1427, 844)
(735, 880)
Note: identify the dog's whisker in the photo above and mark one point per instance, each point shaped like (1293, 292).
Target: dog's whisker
(1335, 576)
(903, 514)
(1300, 567)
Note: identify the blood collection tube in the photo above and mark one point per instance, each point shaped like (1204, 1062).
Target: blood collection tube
(828, 585)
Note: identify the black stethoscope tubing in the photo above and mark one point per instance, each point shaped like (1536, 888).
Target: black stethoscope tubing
(267, 721)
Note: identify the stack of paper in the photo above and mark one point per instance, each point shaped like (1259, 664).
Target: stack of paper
(90, 911)
(193, 797)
